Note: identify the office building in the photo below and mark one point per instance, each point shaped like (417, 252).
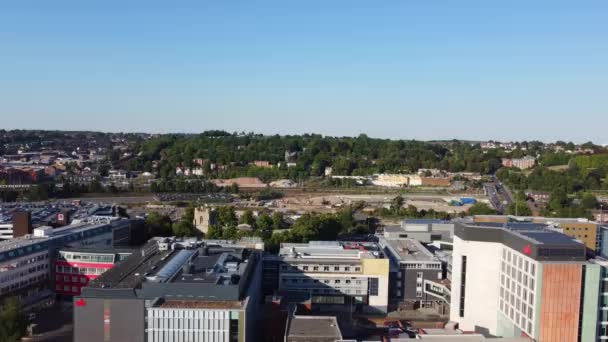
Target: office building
(411, 265)
(593, 235)
(423, 230)
(341, 276)
(25, 262)
(174, 290)
(76, 267)
(515, 280)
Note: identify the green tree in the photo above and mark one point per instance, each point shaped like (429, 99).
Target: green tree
(397, 203)
(158, 225)
(227, 216)
(264, 222)
(248, 218)
(589, 201)
(277, 220)
(481, 208)
(13, 323)
(519, 208)
(183, 228)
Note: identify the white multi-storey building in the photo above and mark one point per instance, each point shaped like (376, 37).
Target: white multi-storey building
(25, 262)
(515, 280)
(351, 275)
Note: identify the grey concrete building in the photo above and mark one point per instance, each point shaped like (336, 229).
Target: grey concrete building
(174, 291)
(423, 230)
(411, 264)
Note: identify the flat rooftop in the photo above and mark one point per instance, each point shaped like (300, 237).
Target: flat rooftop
(332, 250)
(409, 250)
(313, 328)
(215, 265)
(536, 232)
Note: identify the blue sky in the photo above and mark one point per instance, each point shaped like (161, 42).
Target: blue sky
(400, 69)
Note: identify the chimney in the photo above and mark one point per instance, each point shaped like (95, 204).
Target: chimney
(22, 223)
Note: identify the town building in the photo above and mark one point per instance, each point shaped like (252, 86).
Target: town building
(76, 267)
(411, 265)
(524, 163)
(338, 276)
(423, 230)
(538, 196)
(514, 280)
(436, 181)
(174, 290)
(593, 235)
(204, 217)
(25, 262)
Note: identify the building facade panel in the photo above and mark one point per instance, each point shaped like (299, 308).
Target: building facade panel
(560, 303)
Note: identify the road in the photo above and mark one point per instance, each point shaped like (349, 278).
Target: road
(499, 195)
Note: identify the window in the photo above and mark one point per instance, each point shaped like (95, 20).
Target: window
(315, 268)
(463, 282)
(336, 268)
(373, 286)
(337, 281)
(347, 281)
(305, 268)
(346, 269)
(326, 268)
(357, 269)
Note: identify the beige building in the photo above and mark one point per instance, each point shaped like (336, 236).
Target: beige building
(204, 217)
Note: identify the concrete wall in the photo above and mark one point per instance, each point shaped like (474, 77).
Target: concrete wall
(378, 268)
(108, 320)
(482, 285)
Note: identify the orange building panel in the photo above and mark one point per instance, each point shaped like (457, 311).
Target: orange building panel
(560, 302)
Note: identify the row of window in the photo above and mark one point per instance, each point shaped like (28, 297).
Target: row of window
(23, 273)
(101, 258)
(24, 262)
(510, 280)
(320, 268)
(524, 321)
(23, 283)
(331, 291)
(68, 289)
(419, 266)
(80, 270)
(73, 279)
(325, 281)
(518, 261)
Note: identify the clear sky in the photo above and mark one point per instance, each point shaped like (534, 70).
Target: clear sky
(401, 69)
